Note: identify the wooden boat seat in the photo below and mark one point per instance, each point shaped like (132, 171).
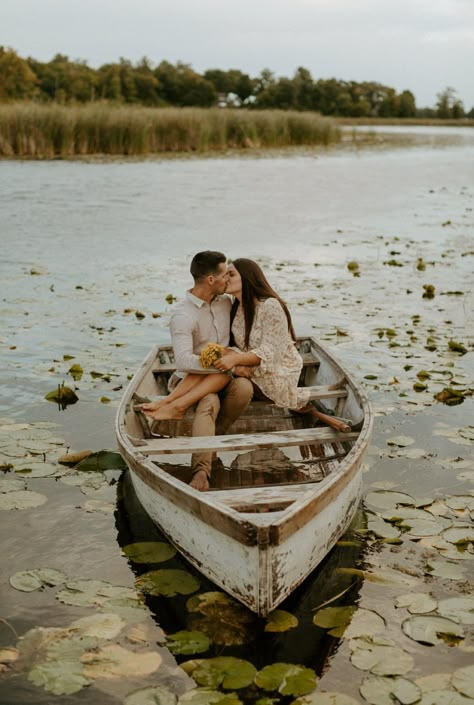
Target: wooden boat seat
(236, 442)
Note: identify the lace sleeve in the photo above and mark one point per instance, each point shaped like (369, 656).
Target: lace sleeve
(270, 333)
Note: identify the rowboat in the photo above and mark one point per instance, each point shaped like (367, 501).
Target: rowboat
(284, 487)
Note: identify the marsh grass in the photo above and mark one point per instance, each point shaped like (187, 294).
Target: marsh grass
(48, 131)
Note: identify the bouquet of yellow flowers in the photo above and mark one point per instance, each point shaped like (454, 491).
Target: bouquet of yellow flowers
(210, 354)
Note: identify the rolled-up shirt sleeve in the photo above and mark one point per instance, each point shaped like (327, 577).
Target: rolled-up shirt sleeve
(273, 332)
(182, 327)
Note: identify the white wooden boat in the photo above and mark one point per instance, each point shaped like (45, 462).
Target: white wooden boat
(284, 488)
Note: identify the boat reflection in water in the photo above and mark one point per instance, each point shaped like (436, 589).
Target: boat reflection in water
(306, 644)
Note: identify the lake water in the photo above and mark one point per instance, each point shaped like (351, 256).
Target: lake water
(85, 245)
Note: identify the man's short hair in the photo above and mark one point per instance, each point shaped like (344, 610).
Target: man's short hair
(206, 263)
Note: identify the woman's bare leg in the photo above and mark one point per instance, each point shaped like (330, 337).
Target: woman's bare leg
(181, 388)
(176, 408)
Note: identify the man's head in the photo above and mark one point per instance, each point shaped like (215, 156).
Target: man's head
(209, 270)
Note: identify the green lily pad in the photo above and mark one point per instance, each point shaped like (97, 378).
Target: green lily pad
(36, 469)
(417, 602)
(11, 485)
(381, 528)
(64, 396)
(287, 679)
(459, 609)
(280, 621)
(101, 626)
(428, 629)
(226, 671)
(59, 677)
(380, 690)
(401, 441)
(113, 661)
(385, 499)
(149, 552)
(380, 656)
(205, 696)
(463, 681)
(365, 623)
(76, 372)
(30, 580)
(224, 620)
(168, 582)
(153, 695)
(459, 535)
(445, 569)
(21, 499)
(92, 593)
(335, 619)
(100, 461)
(328, 698)
(187, 643)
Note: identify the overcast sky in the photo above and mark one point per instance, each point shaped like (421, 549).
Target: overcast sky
(419, 45)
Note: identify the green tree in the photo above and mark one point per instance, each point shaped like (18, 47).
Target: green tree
(17, 79)
(407, 105)
(448, 105)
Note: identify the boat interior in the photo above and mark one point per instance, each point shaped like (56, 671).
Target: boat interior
(267, 446)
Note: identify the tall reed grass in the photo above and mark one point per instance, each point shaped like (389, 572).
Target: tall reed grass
(49, 131)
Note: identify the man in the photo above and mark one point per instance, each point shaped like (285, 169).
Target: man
(204, 317)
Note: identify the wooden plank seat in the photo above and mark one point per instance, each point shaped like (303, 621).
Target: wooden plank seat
(318, 392)
(235, 442)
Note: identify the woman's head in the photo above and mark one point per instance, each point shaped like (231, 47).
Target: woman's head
(248, 284)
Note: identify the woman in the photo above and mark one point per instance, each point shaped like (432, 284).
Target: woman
(264, 342)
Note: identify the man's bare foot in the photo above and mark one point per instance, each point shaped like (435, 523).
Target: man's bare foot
(166, 412)
(200, 481)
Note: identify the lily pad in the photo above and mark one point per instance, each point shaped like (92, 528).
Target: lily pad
(205, 696)
(102, 626)
(459, 535)
(188, 643)
(224, 620)
(100, 461)
(153, 695)
(22, 499)
(59, 677)
(97, 505)
(417, 602)
(149, 552)
(287, 679)
(463, 681)
(63, 396)
(168, 582)
(401, 441)
(432, 629)
(30, 580)
(380, 656)
(11, 485)
(113, 661)
(74, 458)
(380, 690)
(92, 593)
(387, 499)
(328, 698)
(280, 621)
(36, 469)
(381, 528)
(226, 671)
(365, 623)
(445, 569)
(335, 619)
(460, 609)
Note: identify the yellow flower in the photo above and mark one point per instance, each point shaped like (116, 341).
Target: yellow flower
(210, 354)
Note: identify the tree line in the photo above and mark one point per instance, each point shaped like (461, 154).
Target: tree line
(64, 81)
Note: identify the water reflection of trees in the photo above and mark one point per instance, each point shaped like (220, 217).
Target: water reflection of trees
(306, 644)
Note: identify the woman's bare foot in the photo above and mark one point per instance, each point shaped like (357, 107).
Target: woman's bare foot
(153, 405)
(166, 412)
(200, 481)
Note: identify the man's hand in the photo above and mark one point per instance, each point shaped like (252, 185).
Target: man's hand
(227, 361)
(244, 371)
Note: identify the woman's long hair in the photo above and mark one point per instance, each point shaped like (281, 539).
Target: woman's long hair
(255, 286)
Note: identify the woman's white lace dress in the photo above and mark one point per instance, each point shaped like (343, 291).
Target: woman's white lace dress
(279, 371)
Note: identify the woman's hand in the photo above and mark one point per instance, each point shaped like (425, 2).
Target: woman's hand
(227, 361)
